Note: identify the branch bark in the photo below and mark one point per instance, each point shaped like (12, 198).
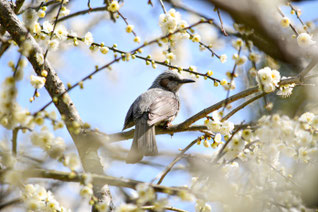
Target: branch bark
(113, 181)
(85, 140)
(267, 33)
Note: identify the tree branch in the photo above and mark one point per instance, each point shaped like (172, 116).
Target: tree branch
(159, 130)
(88, 153)
(266, 34)
(179, 157)
(109, 180)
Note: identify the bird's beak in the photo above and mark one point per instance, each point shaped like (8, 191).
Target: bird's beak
(186, 81)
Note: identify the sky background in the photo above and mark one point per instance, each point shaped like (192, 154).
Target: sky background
(105, 100)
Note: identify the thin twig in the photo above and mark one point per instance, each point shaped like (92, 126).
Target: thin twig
(163, 6)
(221, 152)
(221, 22)
(15, 137)
(290, 24)
(231, 80)
(179, 157)
(298, 17)
(169, 208)
(125, 20)
(82, 12)
(190, 10)
(242, 106)
(89, 4)
(206, 46)
(54, 26)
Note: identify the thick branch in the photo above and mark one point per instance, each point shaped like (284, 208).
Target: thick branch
(159, 130)
(54, 86)
(267, 32)
(113, 181)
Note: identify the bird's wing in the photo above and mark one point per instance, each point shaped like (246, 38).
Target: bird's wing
(163, 108)
(129, 120)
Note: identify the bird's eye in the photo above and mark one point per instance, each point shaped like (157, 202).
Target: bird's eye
(171, 78)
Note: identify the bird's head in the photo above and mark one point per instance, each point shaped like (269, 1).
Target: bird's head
(170, 81)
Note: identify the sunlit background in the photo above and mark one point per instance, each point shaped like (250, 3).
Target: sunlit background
(105, 100)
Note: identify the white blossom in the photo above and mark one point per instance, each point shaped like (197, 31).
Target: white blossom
(305, 40)
(284, 22)
(223, 58)
(87, 191)
(307, 117)
(64, 11)
(39, 58)
(171, 22)
(268, 79)
(145, 193)
(53, 44)
(61, 32)
(47, 27)
(71, 161)
(113, 6)
(37, 198)
(37, 82)
(285, 90)
(88, 39)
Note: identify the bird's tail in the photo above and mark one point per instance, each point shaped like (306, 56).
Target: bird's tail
(144, 142)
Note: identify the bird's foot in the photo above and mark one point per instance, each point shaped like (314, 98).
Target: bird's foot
(167, 125)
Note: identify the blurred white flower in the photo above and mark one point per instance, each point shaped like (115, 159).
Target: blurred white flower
(47, 27)
(285, 90)
(61, 32)
(71, 161)
(37, 82)
(87, 191)
(145, 193)
(305, 40)
(53, 44)
(268, 79)
(64, 11)
(307, 117)
(113, 6)
(39, 58)
(127, 208)
(88, 39)
(284, 22)
(223, 58)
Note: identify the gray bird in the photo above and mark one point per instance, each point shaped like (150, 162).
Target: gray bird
(159, 105)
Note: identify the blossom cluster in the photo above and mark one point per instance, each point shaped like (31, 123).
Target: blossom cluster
(170, 22)
(274, 158)
(54, 146)
(268, 79)
(37, 198)
(11, 113)
(146, 194)
(219, 127)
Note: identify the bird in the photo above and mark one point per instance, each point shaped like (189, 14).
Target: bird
(159, 105)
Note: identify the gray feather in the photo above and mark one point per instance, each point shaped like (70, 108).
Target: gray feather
(144, 142)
